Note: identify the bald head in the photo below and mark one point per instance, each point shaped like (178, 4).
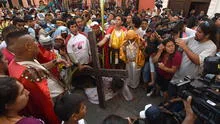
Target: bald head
(24, 46)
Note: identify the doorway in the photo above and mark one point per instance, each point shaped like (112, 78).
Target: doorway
(199, 6)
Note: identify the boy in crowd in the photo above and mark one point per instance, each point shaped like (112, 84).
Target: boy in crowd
(71, 109)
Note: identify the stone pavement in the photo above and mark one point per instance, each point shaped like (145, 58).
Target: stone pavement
(119, 106)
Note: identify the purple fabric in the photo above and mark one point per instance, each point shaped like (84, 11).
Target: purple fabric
(30, 120)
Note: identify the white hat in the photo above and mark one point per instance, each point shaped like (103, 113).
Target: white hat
(45, 40)
(93, 16)
(57, 10)
(73, 15)
(142, 113)
(94, 23)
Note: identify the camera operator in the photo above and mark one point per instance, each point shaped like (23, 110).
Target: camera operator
(155, 115)
(196, 49)
(163, 115)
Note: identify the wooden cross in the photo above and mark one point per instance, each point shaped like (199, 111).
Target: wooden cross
(99, 72)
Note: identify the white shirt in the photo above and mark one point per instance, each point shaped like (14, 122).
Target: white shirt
(190, 32)
(3, 45)
(142, 32)
(78, 49)
(203, 50)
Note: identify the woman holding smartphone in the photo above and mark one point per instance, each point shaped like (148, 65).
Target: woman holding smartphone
(169, 60)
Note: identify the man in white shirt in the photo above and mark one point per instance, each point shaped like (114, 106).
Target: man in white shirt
(196, 49)
(190, 32)
(143, 28)
(78, 47)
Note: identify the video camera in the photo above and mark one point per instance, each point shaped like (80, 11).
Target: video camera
(170, 27)
(212, 65)
(204, 90)
(158, 4)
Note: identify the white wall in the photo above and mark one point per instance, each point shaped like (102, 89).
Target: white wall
(165, 3)
(214, 7)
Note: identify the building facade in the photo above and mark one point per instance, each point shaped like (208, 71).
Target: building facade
(140, 4)
(209, 6)
(23, 3)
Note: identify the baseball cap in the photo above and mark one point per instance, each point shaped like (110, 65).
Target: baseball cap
(142, 113)
(151, 112)
(94, 24)
(45, 40)
(93, 17)
(57, 11)
(28, 18)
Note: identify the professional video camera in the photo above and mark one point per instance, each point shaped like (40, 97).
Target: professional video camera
(170, 27)
(158, 3)
(216, 16)
(204, 90)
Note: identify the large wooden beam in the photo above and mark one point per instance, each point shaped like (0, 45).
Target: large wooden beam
(99, 72)
(96, 65)
(106, 72)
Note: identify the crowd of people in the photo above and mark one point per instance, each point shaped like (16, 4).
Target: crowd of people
(45, 52)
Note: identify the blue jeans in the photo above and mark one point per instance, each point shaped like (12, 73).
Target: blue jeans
(147, 69)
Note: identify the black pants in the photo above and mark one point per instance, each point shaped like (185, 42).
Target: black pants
(162, 82)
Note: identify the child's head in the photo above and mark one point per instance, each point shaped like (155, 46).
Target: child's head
(70, 107)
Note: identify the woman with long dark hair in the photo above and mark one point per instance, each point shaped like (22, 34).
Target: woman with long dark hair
(14, 97)
(169, 60)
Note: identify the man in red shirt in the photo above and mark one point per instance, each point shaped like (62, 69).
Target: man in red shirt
(42, 92)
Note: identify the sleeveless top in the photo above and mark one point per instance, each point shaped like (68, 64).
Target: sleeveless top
(117, 39)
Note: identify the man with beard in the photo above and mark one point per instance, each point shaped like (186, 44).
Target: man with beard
(196, 49)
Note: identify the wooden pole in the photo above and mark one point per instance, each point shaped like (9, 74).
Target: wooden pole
(102, 15)
(99, 72)
(96, 65)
